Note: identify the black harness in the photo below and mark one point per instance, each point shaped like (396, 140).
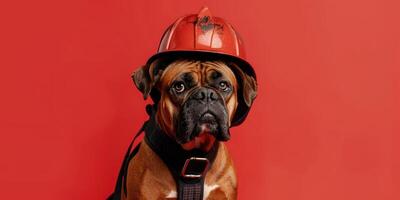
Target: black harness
(188, 168)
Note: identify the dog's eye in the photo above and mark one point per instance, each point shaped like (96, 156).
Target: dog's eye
(179, 87)
(223, 85)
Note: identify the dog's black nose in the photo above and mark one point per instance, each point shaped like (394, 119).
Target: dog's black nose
(205, 94)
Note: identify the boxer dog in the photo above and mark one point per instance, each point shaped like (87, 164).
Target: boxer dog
(196, 104)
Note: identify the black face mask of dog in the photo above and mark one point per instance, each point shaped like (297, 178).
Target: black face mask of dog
(194, 97)
(203, 111)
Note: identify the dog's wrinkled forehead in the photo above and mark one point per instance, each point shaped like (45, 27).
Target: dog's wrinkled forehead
(200, 73)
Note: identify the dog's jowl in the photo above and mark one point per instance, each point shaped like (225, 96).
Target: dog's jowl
(201, 85)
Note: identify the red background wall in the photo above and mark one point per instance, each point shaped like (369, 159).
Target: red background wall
(324, 126)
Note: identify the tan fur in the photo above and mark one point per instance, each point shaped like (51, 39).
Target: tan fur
(148, 177)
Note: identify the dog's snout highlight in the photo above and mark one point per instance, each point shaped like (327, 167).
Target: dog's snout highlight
(205, 95)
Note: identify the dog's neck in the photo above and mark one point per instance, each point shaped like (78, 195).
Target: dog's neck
(166, 147)
(172, 153)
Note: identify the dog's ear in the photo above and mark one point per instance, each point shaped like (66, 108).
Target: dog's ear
(248, 85)
(146, 77)
(249, 89)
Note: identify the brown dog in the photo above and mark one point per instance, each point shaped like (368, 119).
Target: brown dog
(203, 96)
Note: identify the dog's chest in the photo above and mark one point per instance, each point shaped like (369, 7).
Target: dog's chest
(149, 177)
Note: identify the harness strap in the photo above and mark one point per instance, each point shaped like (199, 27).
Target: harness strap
(121, 181)
(188, 168)
(191, 191)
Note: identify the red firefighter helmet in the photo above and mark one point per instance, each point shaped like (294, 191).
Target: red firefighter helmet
(208, 36)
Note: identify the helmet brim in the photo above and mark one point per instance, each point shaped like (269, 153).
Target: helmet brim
(173, 54)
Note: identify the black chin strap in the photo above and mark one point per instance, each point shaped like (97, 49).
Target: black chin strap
(188, 168)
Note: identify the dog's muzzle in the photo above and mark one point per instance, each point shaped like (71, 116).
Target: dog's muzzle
(203, 111)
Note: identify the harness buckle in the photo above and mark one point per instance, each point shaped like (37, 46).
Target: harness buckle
(195, 167)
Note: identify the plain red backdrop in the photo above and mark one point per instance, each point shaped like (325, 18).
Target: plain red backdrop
(324, 126)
